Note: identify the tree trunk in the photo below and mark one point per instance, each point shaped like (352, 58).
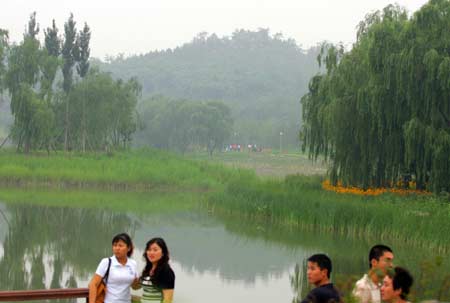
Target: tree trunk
(83, 123)
(4, 141)
(66, 129)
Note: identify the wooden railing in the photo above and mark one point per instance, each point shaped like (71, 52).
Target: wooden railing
(44, 294)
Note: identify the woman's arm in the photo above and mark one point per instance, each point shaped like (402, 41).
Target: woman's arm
(136, 284)
(167, 295)
(95, 282)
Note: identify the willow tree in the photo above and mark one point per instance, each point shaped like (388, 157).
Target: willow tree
(3, 49)
(382, 110)
(33, 118)
(427, 133)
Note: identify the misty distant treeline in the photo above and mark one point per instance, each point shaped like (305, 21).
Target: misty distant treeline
(183, 125)
(260, 76)
(382, 110)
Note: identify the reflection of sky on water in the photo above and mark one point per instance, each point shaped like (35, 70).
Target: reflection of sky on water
(211, 262)
(200, 247)
(209, 286)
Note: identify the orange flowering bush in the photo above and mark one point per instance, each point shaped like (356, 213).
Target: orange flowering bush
(339, 188)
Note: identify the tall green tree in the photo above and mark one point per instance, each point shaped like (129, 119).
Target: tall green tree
(68, 54)
(32, 29)
(213, 125)
(82, 52)
(51, 63)
(52, 40)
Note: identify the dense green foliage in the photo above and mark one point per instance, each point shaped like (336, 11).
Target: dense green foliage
(91, 111)
(382, 110)
(102, 112)
(3, 48)
(180, 124)
(258, 75)
(5, 116)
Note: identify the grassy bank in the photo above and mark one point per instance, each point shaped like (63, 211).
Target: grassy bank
(300, 202)
(135, 202)
(139, 170)
(295, 202)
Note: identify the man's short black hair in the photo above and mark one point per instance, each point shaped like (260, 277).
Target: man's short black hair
(401, 279)
(377, 251)
(322, 261)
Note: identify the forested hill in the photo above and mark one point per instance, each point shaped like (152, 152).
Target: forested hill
(260, 76)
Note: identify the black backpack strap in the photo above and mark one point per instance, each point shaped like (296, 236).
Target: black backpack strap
(105, 277)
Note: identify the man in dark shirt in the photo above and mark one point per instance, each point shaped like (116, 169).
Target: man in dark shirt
(319, 270)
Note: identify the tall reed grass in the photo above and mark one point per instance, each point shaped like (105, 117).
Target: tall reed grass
(299, 201)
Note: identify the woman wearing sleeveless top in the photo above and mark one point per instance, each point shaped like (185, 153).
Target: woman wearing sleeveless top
(158, 279)
(122, 272)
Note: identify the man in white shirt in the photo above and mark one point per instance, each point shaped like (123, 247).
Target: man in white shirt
(367, 289)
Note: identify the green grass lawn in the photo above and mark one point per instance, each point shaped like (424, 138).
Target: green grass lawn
(134, 170)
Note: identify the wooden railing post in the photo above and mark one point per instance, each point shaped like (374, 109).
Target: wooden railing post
(44, 294)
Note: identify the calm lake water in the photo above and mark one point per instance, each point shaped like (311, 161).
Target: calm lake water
(215, 259)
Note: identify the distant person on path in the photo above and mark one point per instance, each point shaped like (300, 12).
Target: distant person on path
(157, 279)
(318, 272)
(367, 289)
(396, 286)
(121, 274)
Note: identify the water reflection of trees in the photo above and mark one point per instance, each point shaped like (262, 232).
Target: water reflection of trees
(56, 247)
(299, 283)
(49, 247)
(349, 257)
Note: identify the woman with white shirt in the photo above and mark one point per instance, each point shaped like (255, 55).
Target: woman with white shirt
(122, 272)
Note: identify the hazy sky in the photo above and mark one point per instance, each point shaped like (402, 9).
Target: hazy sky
(138, 26)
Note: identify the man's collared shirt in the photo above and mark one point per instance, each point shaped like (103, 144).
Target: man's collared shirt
(366, 291)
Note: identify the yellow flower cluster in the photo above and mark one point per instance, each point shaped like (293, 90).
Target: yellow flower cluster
(339, 188)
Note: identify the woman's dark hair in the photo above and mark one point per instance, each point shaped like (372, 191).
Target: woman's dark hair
(125, 238)
(163, 262)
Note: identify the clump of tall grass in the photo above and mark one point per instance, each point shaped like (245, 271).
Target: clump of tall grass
(299, 201)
